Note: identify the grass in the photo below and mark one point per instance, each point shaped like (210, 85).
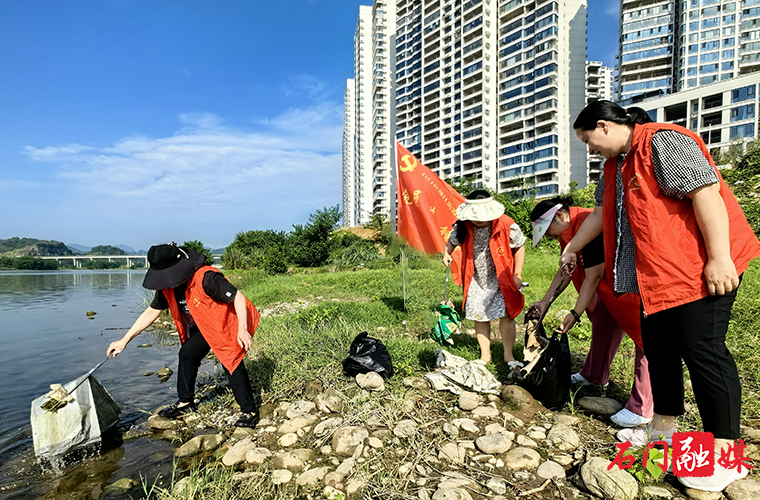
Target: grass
(310, 344)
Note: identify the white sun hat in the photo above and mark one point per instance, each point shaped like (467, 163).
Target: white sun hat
(483, 210)
(541, 224)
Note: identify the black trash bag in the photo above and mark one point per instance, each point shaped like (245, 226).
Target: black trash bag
(549, 380)
(368, 354)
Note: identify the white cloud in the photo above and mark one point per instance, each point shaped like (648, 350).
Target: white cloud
(207, 173)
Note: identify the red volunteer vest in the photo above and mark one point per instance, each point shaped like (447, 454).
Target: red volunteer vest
(217, 321)
(625, 308)
(670, 249)
(502, 259)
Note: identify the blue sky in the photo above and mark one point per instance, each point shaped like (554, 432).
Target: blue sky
(141, 122)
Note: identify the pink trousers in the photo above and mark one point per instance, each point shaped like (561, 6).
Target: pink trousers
(606, 336)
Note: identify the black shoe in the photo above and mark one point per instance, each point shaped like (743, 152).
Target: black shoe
(175, 410)
(248, 420)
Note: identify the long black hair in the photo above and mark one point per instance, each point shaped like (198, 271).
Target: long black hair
(611, 112)
(544, 205)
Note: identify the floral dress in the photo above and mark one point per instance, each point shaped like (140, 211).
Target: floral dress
(485, 302)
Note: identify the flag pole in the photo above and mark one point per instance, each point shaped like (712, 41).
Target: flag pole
(403, 274)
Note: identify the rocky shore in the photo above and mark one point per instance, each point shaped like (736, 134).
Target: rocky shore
(374, 439)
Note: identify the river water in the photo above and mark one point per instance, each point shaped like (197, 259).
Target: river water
(48, 338)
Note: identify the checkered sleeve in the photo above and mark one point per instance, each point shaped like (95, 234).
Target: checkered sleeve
(599, 191)
(679, 164)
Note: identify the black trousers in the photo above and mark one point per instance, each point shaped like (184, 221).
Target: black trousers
(191, 354)
(696, 334)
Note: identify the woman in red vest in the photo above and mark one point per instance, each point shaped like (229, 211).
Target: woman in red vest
(492, 261)
(210, 314)
(611, 316)
(674, 234)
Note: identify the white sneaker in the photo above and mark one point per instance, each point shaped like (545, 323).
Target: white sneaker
(720, 479)
(626, 418)
(577, 378)
(640, 436)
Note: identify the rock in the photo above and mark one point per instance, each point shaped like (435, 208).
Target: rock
(312, 388)
(374, 443)
(658, 492)
(299, 408)
(355, 488)
(750, 433)
(563, 419)
(416, 383)
(237, 452)
(743, 489)
(493, 444)
(241, 433)
(563, 459)
(600, 406)
(347, 439)
(468, 400)
(332, 479)
(370, 381)
(515, 397)
(329, 402)
(563, 437)
(164, 372)
(613, 484)
(294, 460)
(538, 433)
(485, 412)
(148, 374)
(266, 409)
(465, 424)
(346, 467)
(90, 313)
(550, 470)
(296, 423)
(205, 442)
(526, 441)
(703, 495)
(326, 425)
(288, 440)
(257, 456)
(123, 485)
(497, 486)
(405, 429)
(161, 423)
(183, 488)
(452, 453)
(281, 476)
(522, 458)
(451, 494)
(312, 476)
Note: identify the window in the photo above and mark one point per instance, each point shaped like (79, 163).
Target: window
(742, 131)
(743, 113)
(743, 94)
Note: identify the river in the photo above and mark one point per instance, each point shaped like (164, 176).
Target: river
(48, 338)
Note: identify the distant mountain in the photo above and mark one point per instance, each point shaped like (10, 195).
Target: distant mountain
(106, 250)
(78, 249)
(128, 249)
(18, 247)
(218, 251)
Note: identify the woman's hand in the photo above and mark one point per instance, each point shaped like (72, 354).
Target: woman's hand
(244, 338)
(567, 324)
(568, 263)
(518, 281)
(116, 347)
(447, 258)
(536, 309)
(721, 276)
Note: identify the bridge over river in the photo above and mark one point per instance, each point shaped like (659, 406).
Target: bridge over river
(130, 259)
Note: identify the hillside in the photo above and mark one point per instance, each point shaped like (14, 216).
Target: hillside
(18, 247)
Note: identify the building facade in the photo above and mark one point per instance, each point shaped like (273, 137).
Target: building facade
(669, 45)
(721, 113)
(599, 86)
(350, 212)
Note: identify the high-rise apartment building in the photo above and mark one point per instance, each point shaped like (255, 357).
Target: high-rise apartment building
(669, 45)
(483, 90)
(599, 82)
(350, 212)
(368, 116)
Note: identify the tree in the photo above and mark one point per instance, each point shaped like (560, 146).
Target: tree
(106, 250)
(309, 245)
(198, 247)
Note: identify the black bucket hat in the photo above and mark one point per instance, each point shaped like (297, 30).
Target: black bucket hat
(169, 266)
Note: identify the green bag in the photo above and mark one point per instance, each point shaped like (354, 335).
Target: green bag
(448, 320)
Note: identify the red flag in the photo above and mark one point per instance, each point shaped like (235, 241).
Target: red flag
(426, 206)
